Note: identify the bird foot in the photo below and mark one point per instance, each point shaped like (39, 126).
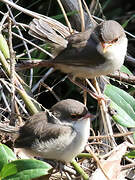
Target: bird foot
(98, 97)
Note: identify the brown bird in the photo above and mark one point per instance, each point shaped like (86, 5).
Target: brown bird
(61, 137)
(97, 51)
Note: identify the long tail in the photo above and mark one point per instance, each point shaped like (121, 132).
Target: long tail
(42, 30)
(8, 129)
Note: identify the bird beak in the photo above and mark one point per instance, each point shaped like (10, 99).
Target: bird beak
(105, 46)
(88, 115)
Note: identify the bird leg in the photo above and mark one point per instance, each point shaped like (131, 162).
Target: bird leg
(95, 95)
(60, 167)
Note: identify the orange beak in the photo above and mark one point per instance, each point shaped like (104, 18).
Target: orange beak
(105, 46)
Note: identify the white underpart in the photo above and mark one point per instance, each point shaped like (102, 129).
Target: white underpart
(115, 55)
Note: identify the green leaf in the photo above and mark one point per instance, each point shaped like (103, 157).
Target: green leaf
(130, 154)
(24, 169)
(4, 47)
(124, 69)
(6, 155)
(57, 17)
(121, 116)
(123, 103)
(127, 21)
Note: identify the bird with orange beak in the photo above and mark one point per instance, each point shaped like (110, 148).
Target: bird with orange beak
(97, 51)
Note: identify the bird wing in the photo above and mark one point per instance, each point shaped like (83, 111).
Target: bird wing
(39, 129)
(81, 50)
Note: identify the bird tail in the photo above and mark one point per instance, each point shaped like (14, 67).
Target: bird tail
(8, 129)
(47, 31)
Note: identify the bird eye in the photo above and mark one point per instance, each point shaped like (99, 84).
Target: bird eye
(115, 40)
(75, 116)
(101, 38)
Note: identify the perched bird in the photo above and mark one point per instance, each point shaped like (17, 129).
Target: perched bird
(60, 135)
(97, 51)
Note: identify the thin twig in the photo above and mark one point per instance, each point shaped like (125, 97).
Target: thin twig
(3, 20)
(51, 90)
(16, 99)
(12, 74)
(51, 70)
(128, 166)
(98, 162)
(90, 16)
(82, 16)
(114, 135)
(25, 44)
(30, 105)
(3, 96)
(105, 116)
(38, 47)
(65, 16)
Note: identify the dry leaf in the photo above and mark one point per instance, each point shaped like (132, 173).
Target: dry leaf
(112, 165)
